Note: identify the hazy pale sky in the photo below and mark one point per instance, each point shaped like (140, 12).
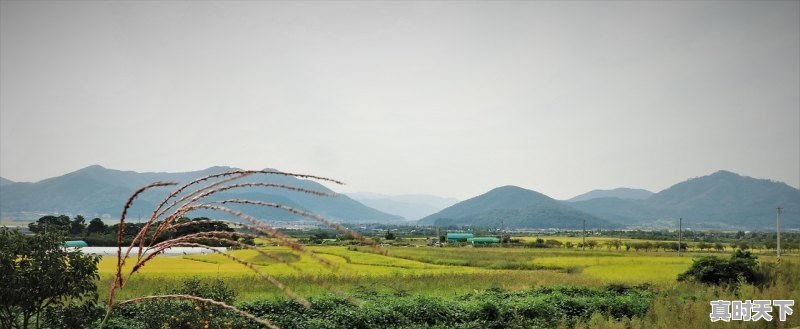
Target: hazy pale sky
(447, 98)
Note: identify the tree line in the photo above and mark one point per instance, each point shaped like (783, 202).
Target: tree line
(97, 233)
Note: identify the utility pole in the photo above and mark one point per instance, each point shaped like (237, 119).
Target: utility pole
(583, 245)
(778, 227)
(680, 234)
(502, 232)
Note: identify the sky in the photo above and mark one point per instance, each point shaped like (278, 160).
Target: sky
(445, 98)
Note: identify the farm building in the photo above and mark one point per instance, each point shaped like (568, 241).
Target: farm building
(483, 240)
(75, 244)
(459, 237)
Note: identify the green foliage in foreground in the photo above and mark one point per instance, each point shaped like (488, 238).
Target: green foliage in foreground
(43, 284)
(545, 307)
(166, 313)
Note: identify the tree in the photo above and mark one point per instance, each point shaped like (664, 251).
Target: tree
(615, 243)
(539, 243)
(591, 244)
(51, 224)
(742, 266)
(202, 224)
(40, 275)
(77, 225)
(552, 243)
(389, 235)
(129, 230)
(96, 225)
(318, 235)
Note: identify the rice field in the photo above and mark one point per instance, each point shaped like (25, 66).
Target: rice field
(425, 270)
(350, 269)
(606, 266)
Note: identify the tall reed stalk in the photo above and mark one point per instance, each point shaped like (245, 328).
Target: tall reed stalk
(193, 196)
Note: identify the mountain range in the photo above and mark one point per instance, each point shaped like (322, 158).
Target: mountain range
(101, 192)
(409, 206)
(514, 207)
(722, 200)
(621, 193)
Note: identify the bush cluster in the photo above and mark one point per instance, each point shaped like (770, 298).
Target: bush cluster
(494, 308)
(741, 267)
(181, 314)
(545, 307)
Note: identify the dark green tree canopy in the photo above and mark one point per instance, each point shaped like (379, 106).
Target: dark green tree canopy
(38, 275)
(96, 226)
(60, 223)
(77, 225)
(742, 266)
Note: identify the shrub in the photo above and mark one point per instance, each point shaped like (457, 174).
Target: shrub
(174, 313)
(741, 267)
(493, 308)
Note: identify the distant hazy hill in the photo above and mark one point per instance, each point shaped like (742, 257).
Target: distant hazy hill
(616, 210)
(409, 206)
(4, 181)
(517, 208)
(720, 200)
(97, 191)
(621, 193)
